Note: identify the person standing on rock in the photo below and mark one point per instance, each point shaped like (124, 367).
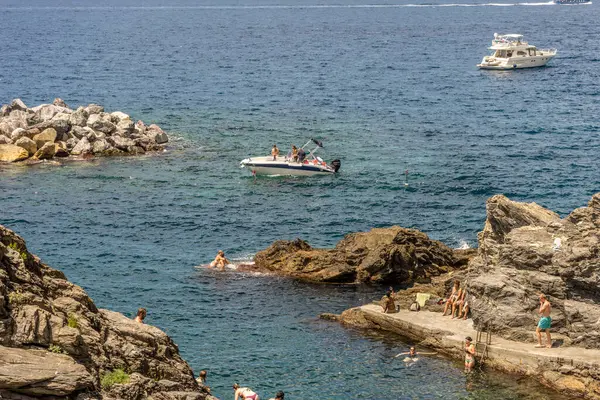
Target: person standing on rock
(545, 322)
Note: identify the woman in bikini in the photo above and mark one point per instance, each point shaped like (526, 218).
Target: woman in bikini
(453, 296)
(244, 393)
(220, 261)
(469, 354)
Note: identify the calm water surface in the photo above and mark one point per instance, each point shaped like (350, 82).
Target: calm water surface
(388, 87)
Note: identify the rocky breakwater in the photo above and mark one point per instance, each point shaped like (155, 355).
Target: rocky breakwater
(55, 342)
(383, 255)
(55, 130)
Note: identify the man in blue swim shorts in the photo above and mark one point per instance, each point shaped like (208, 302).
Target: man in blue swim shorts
(544, 323)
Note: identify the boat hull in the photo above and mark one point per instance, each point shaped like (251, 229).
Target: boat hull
(529, 62)
(285, 168)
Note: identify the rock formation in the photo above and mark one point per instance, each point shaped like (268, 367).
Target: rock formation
(54, 342)
(394, 254)
(525, 250)
(86, 130)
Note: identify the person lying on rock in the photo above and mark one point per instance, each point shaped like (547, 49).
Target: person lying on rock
(244, 393)
(545, 322)
(141, 314)
(220, 261)
(453, 297)
(389, 306)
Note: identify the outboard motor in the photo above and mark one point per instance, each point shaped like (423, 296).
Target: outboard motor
(336, 164)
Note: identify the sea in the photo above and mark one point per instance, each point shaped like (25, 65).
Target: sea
(390, 87)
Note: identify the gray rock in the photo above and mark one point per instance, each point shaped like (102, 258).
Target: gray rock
(18, 134)
(125, 127)
(94, 109)
(78, 117)
(12, 153)
(101, 123)
(5, 110)
(46, 152)
(59, 103)
(157, 134)
(120, 143)
(17, 104)
(5, 140)
(79, 132)
(60, 126)
(100, 146)
(41, 373)
(45, 112)
(92, 135)
(71, 143)
(27, 144)
(82, 147)
(47, 135)
(119, 116)
(61, 116)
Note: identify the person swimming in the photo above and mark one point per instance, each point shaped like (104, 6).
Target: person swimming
(220, 261)
(244, 393)
(412, 355)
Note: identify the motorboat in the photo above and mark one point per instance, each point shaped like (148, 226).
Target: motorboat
(572, 2)
(308, 165)
(512, 52)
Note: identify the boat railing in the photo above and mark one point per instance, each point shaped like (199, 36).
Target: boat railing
(549, 51)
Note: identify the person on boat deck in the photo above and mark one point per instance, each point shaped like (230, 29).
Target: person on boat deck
(244, 393)
(301, 155)
(294, 154)
(141, 314)
(274, 152)
(220, 261)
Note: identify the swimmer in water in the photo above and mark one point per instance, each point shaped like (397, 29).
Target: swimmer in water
(412, 354)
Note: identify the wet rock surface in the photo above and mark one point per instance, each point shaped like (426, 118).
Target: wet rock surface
(54, 341)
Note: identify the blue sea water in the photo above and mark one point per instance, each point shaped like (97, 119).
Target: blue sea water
(388, 86)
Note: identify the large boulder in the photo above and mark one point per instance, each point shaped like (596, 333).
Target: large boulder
(47, 135)
(394, 254)
(5, 140)
(94, 109)
(121, 143)
(18, 134)
(12, 153)
(56, 342)
(100, 146)
(78, 117)
(46, 152)
(525, 250)
(27, 144)
(101, 122)
(157, 134)
(82, 147)
(17, 104)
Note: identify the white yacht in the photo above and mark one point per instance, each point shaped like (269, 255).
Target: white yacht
(306, 164)
(512, 52)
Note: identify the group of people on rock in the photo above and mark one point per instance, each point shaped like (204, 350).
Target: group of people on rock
(296, 154)
(458, 301)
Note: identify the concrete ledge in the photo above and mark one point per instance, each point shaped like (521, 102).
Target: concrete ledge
(570, 370)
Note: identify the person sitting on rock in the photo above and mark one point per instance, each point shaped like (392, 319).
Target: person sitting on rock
(545, 322)
(202, 380)
(465, 307)
(220, 261)
(278, 396)
(141, 314)
(244, 393)
(458, 303)
(453, 297)
(389, 306)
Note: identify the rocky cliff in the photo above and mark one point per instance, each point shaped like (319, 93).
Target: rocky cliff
(54, 130)
(396, 255)
(55, 342)
(525, 250)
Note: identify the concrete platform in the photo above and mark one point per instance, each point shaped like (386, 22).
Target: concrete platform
(571, 370)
